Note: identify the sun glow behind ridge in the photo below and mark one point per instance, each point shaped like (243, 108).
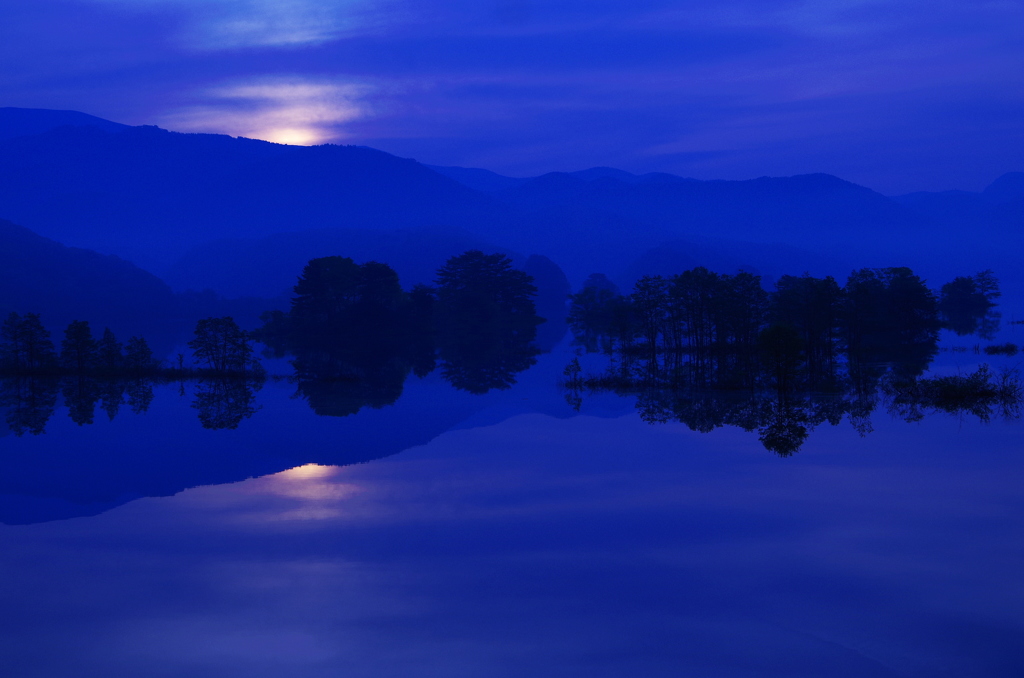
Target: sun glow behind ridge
(284, 111)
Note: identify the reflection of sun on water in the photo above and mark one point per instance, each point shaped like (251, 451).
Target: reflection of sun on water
(312, 485)
(308, 471)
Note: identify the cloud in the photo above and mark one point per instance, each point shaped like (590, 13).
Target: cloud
(882, 92)
(281, 110)
(231, 24)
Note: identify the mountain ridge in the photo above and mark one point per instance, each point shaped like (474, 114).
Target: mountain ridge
(155, 197)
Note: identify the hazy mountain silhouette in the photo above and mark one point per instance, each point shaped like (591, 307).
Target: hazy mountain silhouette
(478, 179)
(149, 194)
(816, 206)
(21, 122)
(601, 218)
(1006, 189)
(999, 207)
(38, 275)
(152, 196)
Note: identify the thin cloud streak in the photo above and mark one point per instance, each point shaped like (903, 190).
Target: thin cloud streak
(233, 24)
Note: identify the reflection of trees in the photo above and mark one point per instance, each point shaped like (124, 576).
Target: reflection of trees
(81, 394)
(80, 397)
(29, 402)
(791, 394)
(224, 403)
(982, 394)
(339, 381)
(480, 361)
(138, 395)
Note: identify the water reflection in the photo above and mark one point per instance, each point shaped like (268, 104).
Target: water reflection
(29, 403)
(548, 547)
(784, 415)
(224, 403)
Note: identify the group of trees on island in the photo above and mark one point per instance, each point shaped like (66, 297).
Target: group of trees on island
(88, 372)
(728, 327)
(710, 350)
(355, 334)
(220, 348)
(680, 343)
(26, 348)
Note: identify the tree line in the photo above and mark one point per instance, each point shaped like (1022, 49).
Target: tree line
(354, 335)
(219, 347)
(712, 329)
(712, 350)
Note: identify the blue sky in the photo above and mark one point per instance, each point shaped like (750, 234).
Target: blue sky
(899, 95)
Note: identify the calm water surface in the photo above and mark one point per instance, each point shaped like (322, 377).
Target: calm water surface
(454, 535)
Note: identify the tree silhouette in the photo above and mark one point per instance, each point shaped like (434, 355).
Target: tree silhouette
(25, 345)
(812, 306)
(109, 352)
(966, 303)
(485, 321)
(138, 358)
(596, 314)
(327, 287)
(488, 288)
(221, 345)
(78, 349)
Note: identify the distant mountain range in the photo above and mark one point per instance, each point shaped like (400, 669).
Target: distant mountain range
(239, 216)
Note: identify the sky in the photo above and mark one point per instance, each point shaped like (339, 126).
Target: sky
(897, 95)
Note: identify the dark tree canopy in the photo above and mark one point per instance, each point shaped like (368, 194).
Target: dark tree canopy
(356, 335)
(485, 321)
(487, 284)
(221, 345)
(137, 355)
(109, 352)
(966, 304)
(78, 351)
(25, 345)
(327, 286)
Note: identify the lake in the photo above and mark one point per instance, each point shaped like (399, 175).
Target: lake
(507, 534)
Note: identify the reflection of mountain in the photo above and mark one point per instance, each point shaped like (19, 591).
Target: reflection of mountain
(84, 470)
